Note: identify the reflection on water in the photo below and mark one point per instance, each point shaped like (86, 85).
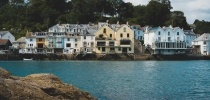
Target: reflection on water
(117, 80)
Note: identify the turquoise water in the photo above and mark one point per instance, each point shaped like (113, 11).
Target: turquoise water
(130, 80)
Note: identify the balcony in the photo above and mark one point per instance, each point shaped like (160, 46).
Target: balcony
(125, 42)
(111, 43)
(169, 45)
(101, 44)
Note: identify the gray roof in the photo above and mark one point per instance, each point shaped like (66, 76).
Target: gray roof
(205, 36)
(3, 32)
(189, 32)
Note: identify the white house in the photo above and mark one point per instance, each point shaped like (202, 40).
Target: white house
(88, 41)
(165, 40)
(30, 44)
(138, 32)
(202, 44)
(7, 35)
(71, 43)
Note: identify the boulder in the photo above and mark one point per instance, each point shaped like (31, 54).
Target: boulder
(38, 87)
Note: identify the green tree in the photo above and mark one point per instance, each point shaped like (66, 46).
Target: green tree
(139, 15)
(202, 26)
(158, 12)
(179, 20)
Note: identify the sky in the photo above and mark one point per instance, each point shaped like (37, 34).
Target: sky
(193, 9)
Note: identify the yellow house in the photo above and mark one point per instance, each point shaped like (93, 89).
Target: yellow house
(105, 40)
(125, 39)
(120, 39)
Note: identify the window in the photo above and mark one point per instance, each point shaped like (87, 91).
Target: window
(204, 42)
(104, 30)
(40, 39)
(84, 37)
(169, 38)
(119, 49)
(75, 45)
(68, 39)
(168, 33)
(111, 49)
(31, 39)
(103, 49)
(177, 33)
(128, 35)
(159, 33)
(204, 48)
(124, 29)
(68, 45)
(98, 48)
(129, 49)
(91, 37)
(110, 35)
(121, 35)
(75, 40)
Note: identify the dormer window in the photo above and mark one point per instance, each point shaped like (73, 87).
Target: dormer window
(168, 33)
(177, 33)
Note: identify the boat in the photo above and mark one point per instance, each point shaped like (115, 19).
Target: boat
(27, 59)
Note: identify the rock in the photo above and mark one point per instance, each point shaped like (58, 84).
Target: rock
(4, 73)
(38, 87)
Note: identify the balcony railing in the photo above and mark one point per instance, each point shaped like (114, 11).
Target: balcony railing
(169, 45)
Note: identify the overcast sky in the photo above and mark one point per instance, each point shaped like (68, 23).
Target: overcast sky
(193, 9)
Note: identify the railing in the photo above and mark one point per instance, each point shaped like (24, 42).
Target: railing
(169, 45)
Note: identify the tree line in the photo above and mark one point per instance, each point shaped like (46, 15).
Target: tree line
(19, 16)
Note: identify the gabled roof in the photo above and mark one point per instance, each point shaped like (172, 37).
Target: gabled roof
(2, 33)
(203, 37)
(3, 41)
(22, 39)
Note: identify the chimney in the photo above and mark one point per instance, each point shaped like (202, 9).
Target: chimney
(117, 22)
(107, 21)
(192, 30)
(127, 23)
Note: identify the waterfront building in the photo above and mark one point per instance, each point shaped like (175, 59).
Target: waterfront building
(202, 44)
(166, 40)
(114, 38)
(190, 36)
(138, 32)
(80, 37)
(5, 44)
(7, 35)
(18, 46)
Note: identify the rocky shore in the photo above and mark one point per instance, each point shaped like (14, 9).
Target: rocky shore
(104, 57)
(38, 87)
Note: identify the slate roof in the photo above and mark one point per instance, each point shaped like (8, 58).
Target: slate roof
(2, 33)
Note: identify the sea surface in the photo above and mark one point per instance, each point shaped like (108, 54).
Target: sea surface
(127, 80)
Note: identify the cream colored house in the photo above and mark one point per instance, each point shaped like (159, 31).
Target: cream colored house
(105, 40)
(125, 39)
(114, 39)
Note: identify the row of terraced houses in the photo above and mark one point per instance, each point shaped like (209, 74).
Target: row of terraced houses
(105, 38)
(83, 38)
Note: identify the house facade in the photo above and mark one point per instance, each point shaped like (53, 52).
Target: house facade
(114, 39)
(202, 44)
(138, 32)
(190, 36)
(165, 40)
(7, 35)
